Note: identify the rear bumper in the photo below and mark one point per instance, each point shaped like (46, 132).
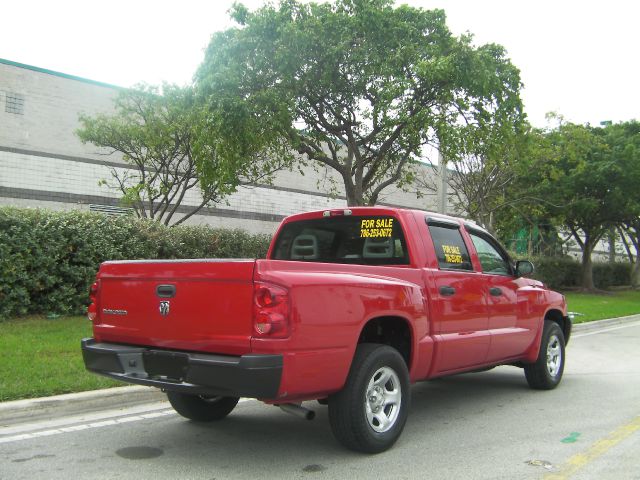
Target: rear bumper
(256, 376)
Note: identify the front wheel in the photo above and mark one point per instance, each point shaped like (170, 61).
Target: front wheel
(369, 413)
(546, 372)
(201, 408)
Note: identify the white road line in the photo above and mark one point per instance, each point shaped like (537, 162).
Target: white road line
(128, 419)
(605, 330)
(68, 419)
(86, 426)
(75, 428)
(106, 419)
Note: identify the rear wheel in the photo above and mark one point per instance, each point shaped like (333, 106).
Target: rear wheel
(369, 413)
(202, 408)
(547, 370)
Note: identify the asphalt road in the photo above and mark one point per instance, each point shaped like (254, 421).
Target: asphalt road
(478, 426)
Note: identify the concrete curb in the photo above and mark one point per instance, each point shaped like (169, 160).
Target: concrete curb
(597, 324)
(34, 409)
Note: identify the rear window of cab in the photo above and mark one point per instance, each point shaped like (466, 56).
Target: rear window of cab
(364, 240)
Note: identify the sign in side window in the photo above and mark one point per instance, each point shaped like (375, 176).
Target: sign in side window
(451, 251)
(490, 258)
(371, 240)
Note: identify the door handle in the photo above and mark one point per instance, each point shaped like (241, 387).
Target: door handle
(495, 291)
(166, 291)
(447, 291)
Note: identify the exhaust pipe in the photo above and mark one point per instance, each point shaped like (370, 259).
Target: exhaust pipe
(298, 410)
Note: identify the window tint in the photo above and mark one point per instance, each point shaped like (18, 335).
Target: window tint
(451, 251)
(490, 258)
(371, 240)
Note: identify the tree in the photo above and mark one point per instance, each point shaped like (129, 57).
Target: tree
(359, 86)
(624, 142)
(630, 234)
(484, 183)
(585, 181)
(172, 144)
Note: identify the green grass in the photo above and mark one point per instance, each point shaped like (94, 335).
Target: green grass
(42, 357)
(597, 307)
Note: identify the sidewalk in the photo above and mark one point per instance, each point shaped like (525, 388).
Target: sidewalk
(35, 409)
(598, 324)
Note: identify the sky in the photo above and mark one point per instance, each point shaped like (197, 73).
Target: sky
(577, 58)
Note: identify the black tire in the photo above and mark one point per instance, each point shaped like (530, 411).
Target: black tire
(353, 420)
(546, 372)
(201, 408)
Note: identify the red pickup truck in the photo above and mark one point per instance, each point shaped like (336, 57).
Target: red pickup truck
(349, 308)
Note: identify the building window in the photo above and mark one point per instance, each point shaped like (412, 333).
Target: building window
(14, 103)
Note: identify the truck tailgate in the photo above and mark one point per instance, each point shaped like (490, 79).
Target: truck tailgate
(196, 305)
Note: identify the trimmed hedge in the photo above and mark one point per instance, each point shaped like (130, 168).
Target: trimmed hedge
(557, 272)
(607, 275)
(49, 259)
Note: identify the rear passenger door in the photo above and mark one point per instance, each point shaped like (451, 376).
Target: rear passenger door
(459, 313)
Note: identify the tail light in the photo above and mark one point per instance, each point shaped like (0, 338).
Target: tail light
(270, 311)
(92, 309)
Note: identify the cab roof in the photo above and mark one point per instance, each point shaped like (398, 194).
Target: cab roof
(358, 211)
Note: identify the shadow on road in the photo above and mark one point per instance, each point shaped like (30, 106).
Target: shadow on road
(258, 438)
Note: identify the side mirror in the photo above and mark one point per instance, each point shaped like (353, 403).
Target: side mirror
(524, 268)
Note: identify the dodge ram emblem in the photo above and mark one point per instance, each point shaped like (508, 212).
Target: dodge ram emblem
(164, 308)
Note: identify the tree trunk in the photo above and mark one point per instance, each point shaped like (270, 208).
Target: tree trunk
(635, 275)
(587, 267)
(490, 224)
(353, 194)
(612, 245)
(354, 201)
(485, 220)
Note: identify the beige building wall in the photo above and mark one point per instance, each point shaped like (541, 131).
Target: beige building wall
(44, 164)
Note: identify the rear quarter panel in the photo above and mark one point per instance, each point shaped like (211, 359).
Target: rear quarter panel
(330, 304)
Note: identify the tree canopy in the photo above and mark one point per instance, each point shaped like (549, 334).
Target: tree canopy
(585, 179)
(624, 143)
(359, 86)
(182, 158)
(485, 184)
